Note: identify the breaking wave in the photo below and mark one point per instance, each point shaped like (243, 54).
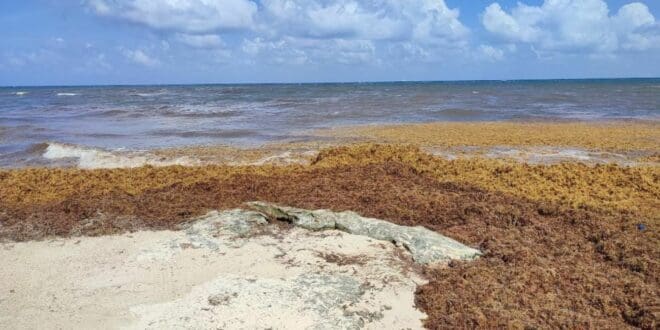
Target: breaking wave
(92, 158)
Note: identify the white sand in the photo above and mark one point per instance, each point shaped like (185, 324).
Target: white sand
(207, 277)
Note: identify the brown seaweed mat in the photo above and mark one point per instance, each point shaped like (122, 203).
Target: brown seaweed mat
(547, 263)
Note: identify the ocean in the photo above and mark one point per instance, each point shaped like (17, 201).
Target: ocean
(150, 117)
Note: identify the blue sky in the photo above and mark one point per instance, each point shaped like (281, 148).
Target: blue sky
(71, 42)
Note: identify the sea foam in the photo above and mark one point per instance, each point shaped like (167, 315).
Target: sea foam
(91, 158)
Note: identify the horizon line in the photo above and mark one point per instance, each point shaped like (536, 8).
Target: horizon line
(328, 82)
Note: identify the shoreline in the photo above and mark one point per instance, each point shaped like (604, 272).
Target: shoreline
(541, 142)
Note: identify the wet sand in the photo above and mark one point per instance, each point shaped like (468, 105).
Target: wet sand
(568, 243)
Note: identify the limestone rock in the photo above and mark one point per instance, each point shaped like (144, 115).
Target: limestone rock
(426, 246)
(312, 220)
(238, 221)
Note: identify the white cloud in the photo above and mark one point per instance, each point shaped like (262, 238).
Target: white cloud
(140, 57)
(352, 32)
(423, 20)
(346, 52)
(637, 27)
(300, 31)
(195, 16)
(491, 53)
(331, 19)
(283, 51)
(208, 41)
(409, 52)
(291, 50)
(436, 21)
(574, 26)
(520, 28)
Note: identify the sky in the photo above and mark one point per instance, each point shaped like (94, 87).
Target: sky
(98, 42)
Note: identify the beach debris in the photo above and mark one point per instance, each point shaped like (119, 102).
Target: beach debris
(426, 246)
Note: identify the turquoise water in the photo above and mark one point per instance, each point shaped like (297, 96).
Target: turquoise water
(145, 117)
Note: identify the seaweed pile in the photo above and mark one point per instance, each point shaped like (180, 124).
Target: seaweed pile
(607, 135)
(565, 245)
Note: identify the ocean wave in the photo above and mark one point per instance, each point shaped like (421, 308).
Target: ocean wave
(112, 113)
(227, 133)
(67, 94)
(20, 155)
(21, 93)
(200, 112)
(121, 113)
(93, 158)
(152, 94)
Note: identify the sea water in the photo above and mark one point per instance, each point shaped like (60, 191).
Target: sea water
(148, 117)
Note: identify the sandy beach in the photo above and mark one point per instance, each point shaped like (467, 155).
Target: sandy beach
(330, 164)
(568, 240)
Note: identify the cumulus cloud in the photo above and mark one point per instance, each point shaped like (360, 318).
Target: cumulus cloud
(423, 20)
(574, 26)
(195, 16)
(351, 32)
(301, 31)
(275, 51)
(291, 50)
(140, 57)
(491, 53)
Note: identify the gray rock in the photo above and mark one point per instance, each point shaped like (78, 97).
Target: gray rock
(202, 232)
(238, 221)
(426, 246)
(312, 220)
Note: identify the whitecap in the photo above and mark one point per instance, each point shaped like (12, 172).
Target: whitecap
(20, 93)
(92, 158)
(152, 93)
(66, 94)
